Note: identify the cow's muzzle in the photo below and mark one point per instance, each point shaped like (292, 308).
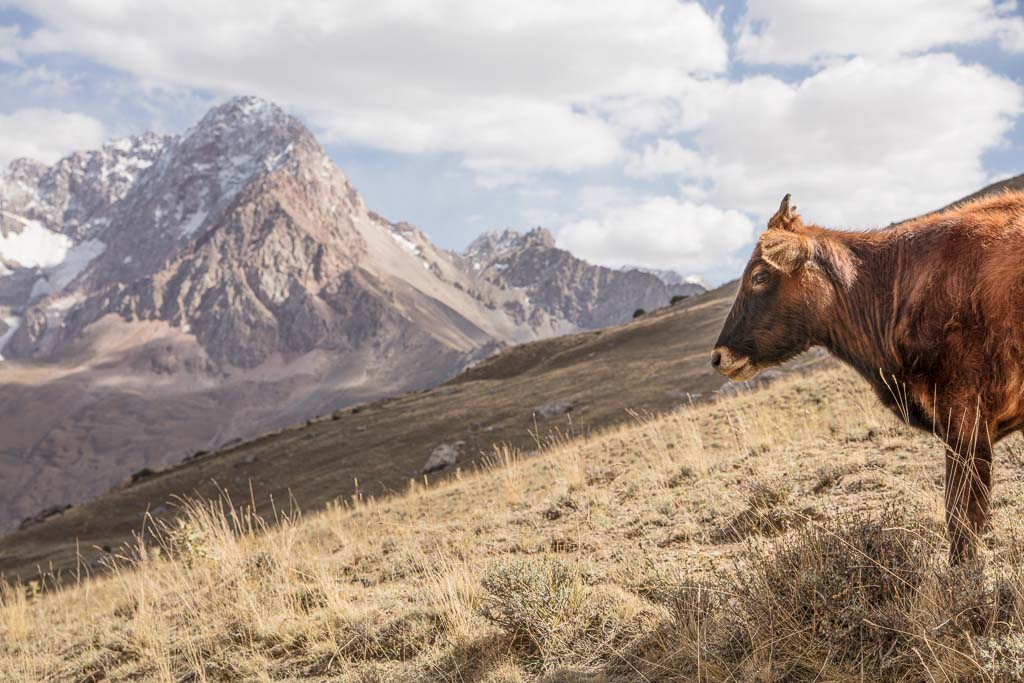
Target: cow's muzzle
(736, 367)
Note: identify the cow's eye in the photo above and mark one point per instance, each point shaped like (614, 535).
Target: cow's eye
(760, 277)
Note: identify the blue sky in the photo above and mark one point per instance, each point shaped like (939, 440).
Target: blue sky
(656, 132)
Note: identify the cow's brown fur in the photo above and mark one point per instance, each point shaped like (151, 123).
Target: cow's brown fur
(930, 312)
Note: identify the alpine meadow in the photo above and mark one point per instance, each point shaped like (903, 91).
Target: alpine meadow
(468, 341)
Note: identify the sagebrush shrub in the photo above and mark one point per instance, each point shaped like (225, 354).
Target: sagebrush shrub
(554, 618)
(539, 604)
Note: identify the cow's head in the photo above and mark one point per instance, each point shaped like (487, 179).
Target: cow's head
(784, 294)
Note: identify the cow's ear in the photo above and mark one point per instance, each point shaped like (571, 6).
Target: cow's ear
(786, 217)
(785, 250)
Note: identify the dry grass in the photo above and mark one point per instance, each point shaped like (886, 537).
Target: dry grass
(786, 535)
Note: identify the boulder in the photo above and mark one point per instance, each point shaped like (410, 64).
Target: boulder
(554, 408)
(444, 456)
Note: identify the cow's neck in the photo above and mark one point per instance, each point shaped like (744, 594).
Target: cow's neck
(861, 330)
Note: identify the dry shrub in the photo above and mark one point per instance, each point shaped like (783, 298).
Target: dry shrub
(553, 618)
(854, 595)
(505, 673)
(840, 588)
(829, 475)
(397, 639)
(538, 604)
(767, 514)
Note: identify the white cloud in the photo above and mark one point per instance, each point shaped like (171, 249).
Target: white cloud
(664, 157)
(37, 82)
(511, 85)
(799, 31)
(659, 232)
(1011, 34)
(861, 142)
(9, 44)
(46, 134)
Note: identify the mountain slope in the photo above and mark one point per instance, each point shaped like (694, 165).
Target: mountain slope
(168, 294)
(652, 364)
(1014, 183)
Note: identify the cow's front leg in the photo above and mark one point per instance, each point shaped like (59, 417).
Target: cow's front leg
(968, 487)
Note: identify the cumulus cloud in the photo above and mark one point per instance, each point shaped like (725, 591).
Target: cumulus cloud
(37, 82)
(46, 134)
(659, 232)
(664, 157)
(861, 142)
(511, 85)
(798, 31)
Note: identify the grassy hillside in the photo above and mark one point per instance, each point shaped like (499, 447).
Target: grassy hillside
(789, 534)
(651, 364)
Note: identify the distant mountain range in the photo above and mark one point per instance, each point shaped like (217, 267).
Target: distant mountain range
(671, 277)
(167, 294)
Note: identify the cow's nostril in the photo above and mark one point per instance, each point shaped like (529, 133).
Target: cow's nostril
(716, 358)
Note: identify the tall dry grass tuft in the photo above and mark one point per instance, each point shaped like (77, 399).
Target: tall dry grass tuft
(505, 463)
(672, 447)
(14, 610)
(568, 460)
(452, 590)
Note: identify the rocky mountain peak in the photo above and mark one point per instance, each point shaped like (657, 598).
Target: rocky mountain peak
(556, 285)
(68, 196)
(244, 209)
(251, 127)
(236, 140)
(490, 242)
(494, 244)
(245, 110)
(539, 237)
(26, 170)
(203, 172)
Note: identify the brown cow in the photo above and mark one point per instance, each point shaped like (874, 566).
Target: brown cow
(930, 312)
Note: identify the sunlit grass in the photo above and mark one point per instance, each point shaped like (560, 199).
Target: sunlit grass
(793, 533)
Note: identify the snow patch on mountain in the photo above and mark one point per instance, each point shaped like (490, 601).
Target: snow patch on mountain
(193, 222)
(76, 260)
(697, 280)
(34, 246)
(404, 242)
(12, 324)
(129, 157)
(40, 288)
(60, 259)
